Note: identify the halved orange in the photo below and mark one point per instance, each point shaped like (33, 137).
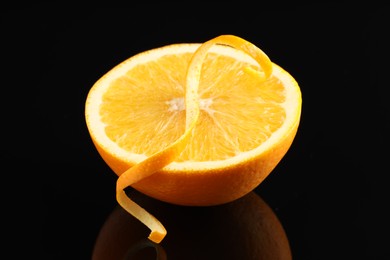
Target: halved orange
(193, 124)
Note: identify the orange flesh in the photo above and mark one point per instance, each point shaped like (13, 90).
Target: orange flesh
(166, 115)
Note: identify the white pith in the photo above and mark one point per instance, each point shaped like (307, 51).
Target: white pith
(292, 109)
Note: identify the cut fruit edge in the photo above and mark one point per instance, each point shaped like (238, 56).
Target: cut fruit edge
(164, 157)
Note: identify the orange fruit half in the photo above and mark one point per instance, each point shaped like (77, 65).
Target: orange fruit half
(193, 124)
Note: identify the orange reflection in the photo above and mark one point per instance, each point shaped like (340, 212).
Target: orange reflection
(243, 229)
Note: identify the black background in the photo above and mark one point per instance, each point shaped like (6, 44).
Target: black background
(329, 191)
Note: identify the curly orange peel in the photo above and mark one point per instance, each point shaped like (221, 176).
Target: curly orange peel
(164, 157)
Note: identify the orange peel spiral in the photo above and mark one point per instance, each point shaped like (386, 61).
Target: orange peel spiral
(164, 157)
